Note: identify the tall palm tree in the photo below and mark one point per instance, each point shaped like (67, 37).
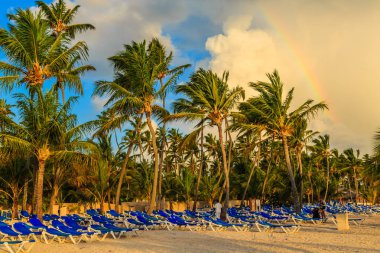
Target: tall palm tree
(33, 55)
(271, 109)
(299, 141)
(164, 60)
(214, 102)
(60, 18)
(136, 86)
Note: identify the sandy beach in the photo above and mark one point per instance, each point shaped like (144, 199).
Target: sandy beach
(311, 238)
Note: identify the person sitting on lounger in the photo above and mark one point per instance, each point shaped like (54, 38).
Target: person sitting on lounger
(322, 208)
(218, 209)
(316, 213)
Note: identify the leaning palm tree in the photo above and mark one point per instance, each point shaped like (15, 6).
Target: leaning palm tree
(33, 55)
(60, 18)
(208, 98)
(271, 109)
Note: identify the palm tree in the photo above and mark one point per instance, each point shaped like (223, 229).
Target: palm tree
(214, 102)
(43, 122)
(269, 108)
(5, 113)
(354, 164)
(322, 149)
(33, 55)
(12, 179)
(70, 76)
(135, 86)
(60, 18)
(164, 61)
(299, 141)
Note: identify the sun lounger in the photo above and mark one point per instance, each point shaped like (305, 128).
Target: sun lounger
(264, 226)
(37, 223)
(102, 230)
(83, 235)
(24, 230)
(8, 232)
(52, 234)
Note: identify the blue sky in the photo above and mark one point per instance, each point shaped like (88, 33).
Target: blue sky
(328, 51)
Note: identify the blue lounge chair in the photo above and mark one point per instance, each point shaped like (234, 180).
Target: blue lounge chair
(52, 234)
(8, 232)
(37, 223)
(181, 223)
(17, 246)
(299, 218)
(118, 230)
(102, 230)
(264, 226)
(73, 224)
(136, 224)
(24, 214)
(85, 235)
(24, 230)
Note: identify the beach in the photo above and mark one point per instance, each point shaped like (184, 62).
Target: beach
(311, 238)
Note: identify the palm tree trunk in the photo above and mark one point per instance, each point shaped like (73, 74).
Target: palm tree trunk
(266, 179)
(15, 202)
(62, 93)
(155, 151)
(291, 175)
(255, 164)
(247, 186)
(35, 183)
(356, 181)
(226, 173)
(25, 195)
(199, 173)
(300, 167)
(40, 188)
(124, 168)
(349, 187)
(327, 178)
(162, 153)
(53, 197)
(102, 211)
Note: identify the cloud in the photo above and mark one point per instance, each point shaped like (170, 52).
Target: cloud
(99, 102)
(118, 22)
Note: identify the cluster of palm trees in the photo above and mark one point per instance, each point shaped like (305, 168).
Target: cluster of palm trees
(259, 147)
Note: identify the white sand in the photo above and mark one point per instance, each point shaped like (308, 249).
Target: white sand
(311, 238)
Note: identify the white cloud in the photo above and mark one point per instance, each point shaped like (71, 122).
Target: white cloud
(99, 102)
(118, 22)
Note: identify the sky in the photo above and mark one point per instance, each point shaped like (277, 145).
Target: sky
(329, 50)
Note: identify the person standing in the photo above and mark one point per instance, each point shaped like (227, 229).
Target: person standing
(218, 209)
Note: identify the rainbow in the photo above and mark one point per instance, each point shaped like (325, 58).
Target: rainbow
(301, 60)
